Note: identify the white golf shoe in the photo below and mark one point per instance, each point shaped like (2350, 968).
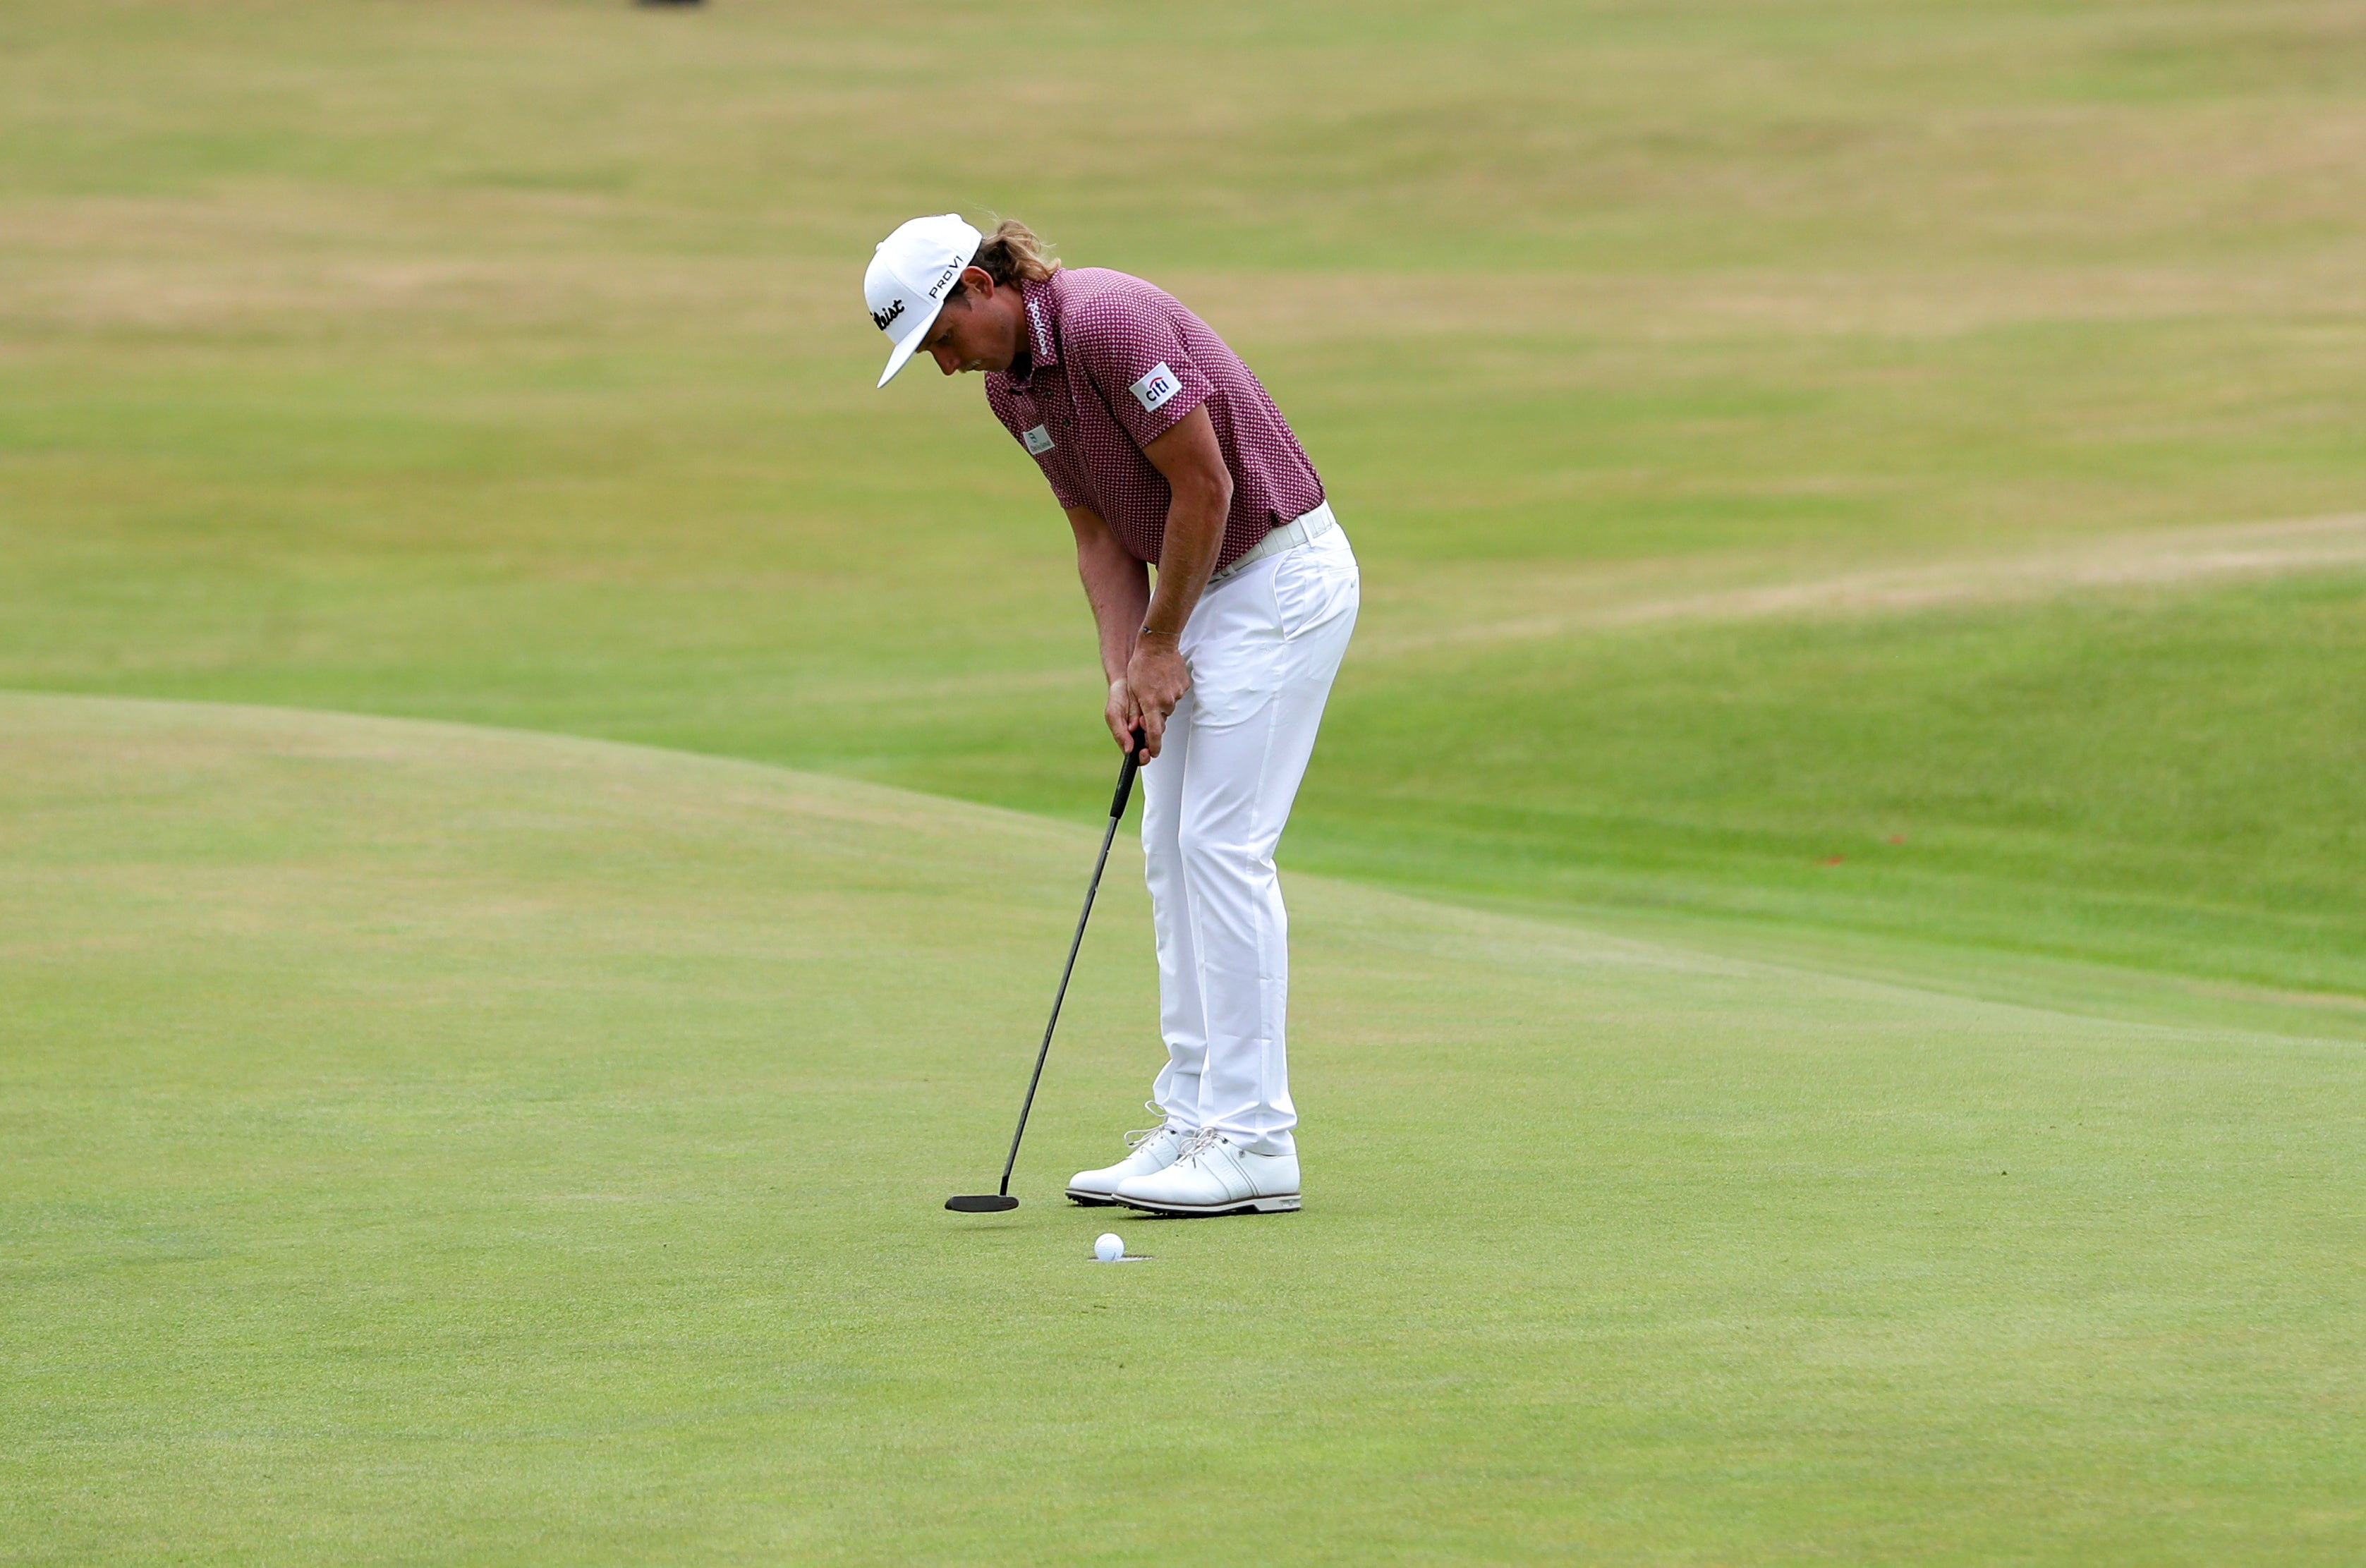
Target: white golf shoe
(1153, 1149)
(1213, 1174)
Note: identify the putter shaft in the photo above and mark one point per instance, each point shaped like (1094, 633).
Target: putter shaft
(1116, 814)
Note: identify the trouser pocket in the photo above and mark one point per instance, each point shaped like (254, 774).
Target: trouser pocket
(1314, 585)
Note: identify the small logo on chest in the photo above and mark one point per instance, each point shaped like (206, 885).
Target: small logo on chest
(1039, 440)
(1156, 389)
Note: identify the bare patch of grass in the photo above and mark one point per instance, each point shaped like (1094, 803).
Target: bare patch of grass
(2157, 558)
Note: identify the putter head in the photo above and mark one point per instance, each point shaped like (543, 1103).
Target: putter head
(983, 1203)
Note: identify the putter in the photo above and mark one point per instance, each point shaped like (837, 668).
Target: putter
(996, 1201)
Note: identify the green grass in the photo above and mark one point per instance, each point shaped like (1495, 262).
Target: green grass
(2166, 782)
(1772, 432)
(435, 1145)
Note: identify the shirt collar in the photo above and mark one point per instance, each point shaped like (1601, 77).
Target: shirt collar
(1043, 305)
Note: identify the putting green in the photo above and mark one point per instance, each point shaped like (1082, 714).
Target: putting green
(436, 1145)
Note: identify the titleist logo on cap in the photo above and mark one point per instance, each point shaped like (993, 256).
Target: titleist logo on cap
(880, 319)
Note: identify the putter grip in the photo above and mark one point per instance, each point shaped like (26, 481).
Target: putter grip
(1125, 776)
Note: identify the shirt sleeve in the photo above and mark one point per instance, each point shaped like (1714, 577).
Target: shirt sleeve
(1138, 362)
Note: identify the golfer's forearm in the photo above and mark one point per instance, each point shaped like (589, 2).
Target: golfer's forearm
(1195, 535)
(1202, 489)
(1118, 610)
(1116, 585)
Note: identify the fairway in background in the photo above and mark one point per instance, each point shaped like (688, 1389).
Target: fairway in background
(437, 1145)
(501, 362)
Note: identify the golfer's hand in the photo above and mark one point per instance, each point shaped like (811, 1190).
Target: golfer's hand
(1122, 717)
(1155, 679)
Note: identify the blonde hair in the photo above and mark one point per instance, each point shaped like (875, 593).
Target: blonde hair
(1012, 253)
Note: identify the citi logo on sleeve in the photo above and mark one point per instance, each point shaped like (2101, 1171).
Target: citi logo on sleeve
(1039, 440)
(1156, 387)
(882, 319)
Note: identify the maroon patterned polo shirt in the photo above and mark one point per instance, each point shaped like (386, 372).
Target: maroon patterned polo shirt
(1112, 364)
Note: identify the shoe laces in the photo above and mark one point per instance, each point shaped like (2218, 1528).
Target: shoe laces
(1205, 1138)
(1141, 1135)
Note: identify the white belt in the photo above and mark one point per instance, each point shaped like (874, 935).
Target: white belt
(1289, 536)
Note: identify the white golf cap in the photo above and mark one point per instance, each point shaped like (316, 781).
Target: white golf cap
(909, 276)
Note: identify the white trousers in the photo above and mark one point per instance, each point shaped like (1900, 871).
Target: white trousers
(1263, 647)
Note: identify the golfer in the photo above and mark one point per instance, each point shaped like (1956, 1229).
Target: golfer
(1165, 451)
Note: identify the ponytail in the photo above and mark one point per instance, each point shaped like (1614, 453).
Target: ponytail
(1012, 253)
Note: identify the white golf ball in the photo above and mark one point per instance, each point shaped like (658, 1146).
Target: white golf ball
(1109, 1248)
